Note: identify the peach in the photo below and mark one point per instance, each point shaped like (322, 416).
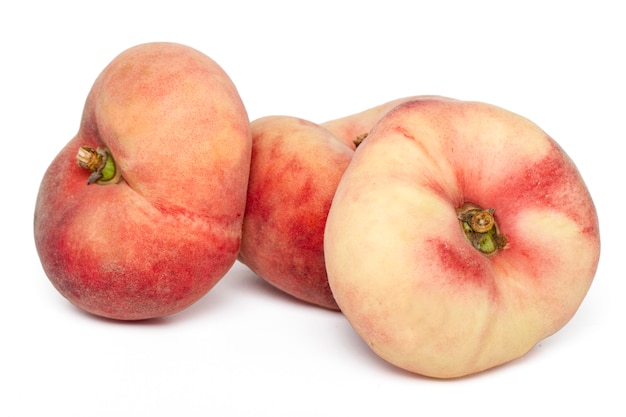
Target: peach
(296, 165)
(352, 129)
(149, 219)
(460, 235)
(295, 168)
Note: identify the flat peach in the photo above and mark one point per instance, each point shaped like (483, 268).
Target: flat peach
(419, 283)
(296, 166)
(169, 125)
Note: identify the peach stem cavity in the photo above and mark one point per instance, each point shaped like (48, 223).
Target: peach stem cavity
(480, 229)
(101, 164)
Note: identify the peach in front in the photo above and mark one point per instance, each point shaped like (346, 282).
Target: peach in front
(460, 235)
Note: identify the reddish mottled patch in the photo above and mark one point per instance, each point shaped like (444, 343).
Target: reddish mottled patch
(294, 173)
(552, 183)
(129, 264)
(287, 207)
(462, 266)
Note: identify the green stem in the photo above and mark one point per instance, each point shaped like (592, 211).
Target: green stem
(101, 164)
(480, 228)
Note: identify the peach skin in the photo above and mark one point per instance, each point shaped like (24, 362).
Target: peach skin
(296, 165)
(460, 235)
(140, 214)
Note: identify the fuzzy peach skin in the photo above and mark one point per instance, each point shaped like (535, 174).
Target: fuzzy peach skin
(400, 267)
(357, 126)
(158, 240)
(296, 166)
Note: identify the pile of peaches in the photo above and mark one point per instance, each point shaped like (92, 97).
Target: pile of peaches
(452, 235)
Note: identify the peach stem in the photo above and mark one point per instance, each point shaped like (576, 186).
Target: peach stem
(481, 230)
(100, 163)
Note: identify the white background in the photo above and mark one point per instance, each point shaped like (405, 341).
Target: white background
(245, 349)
